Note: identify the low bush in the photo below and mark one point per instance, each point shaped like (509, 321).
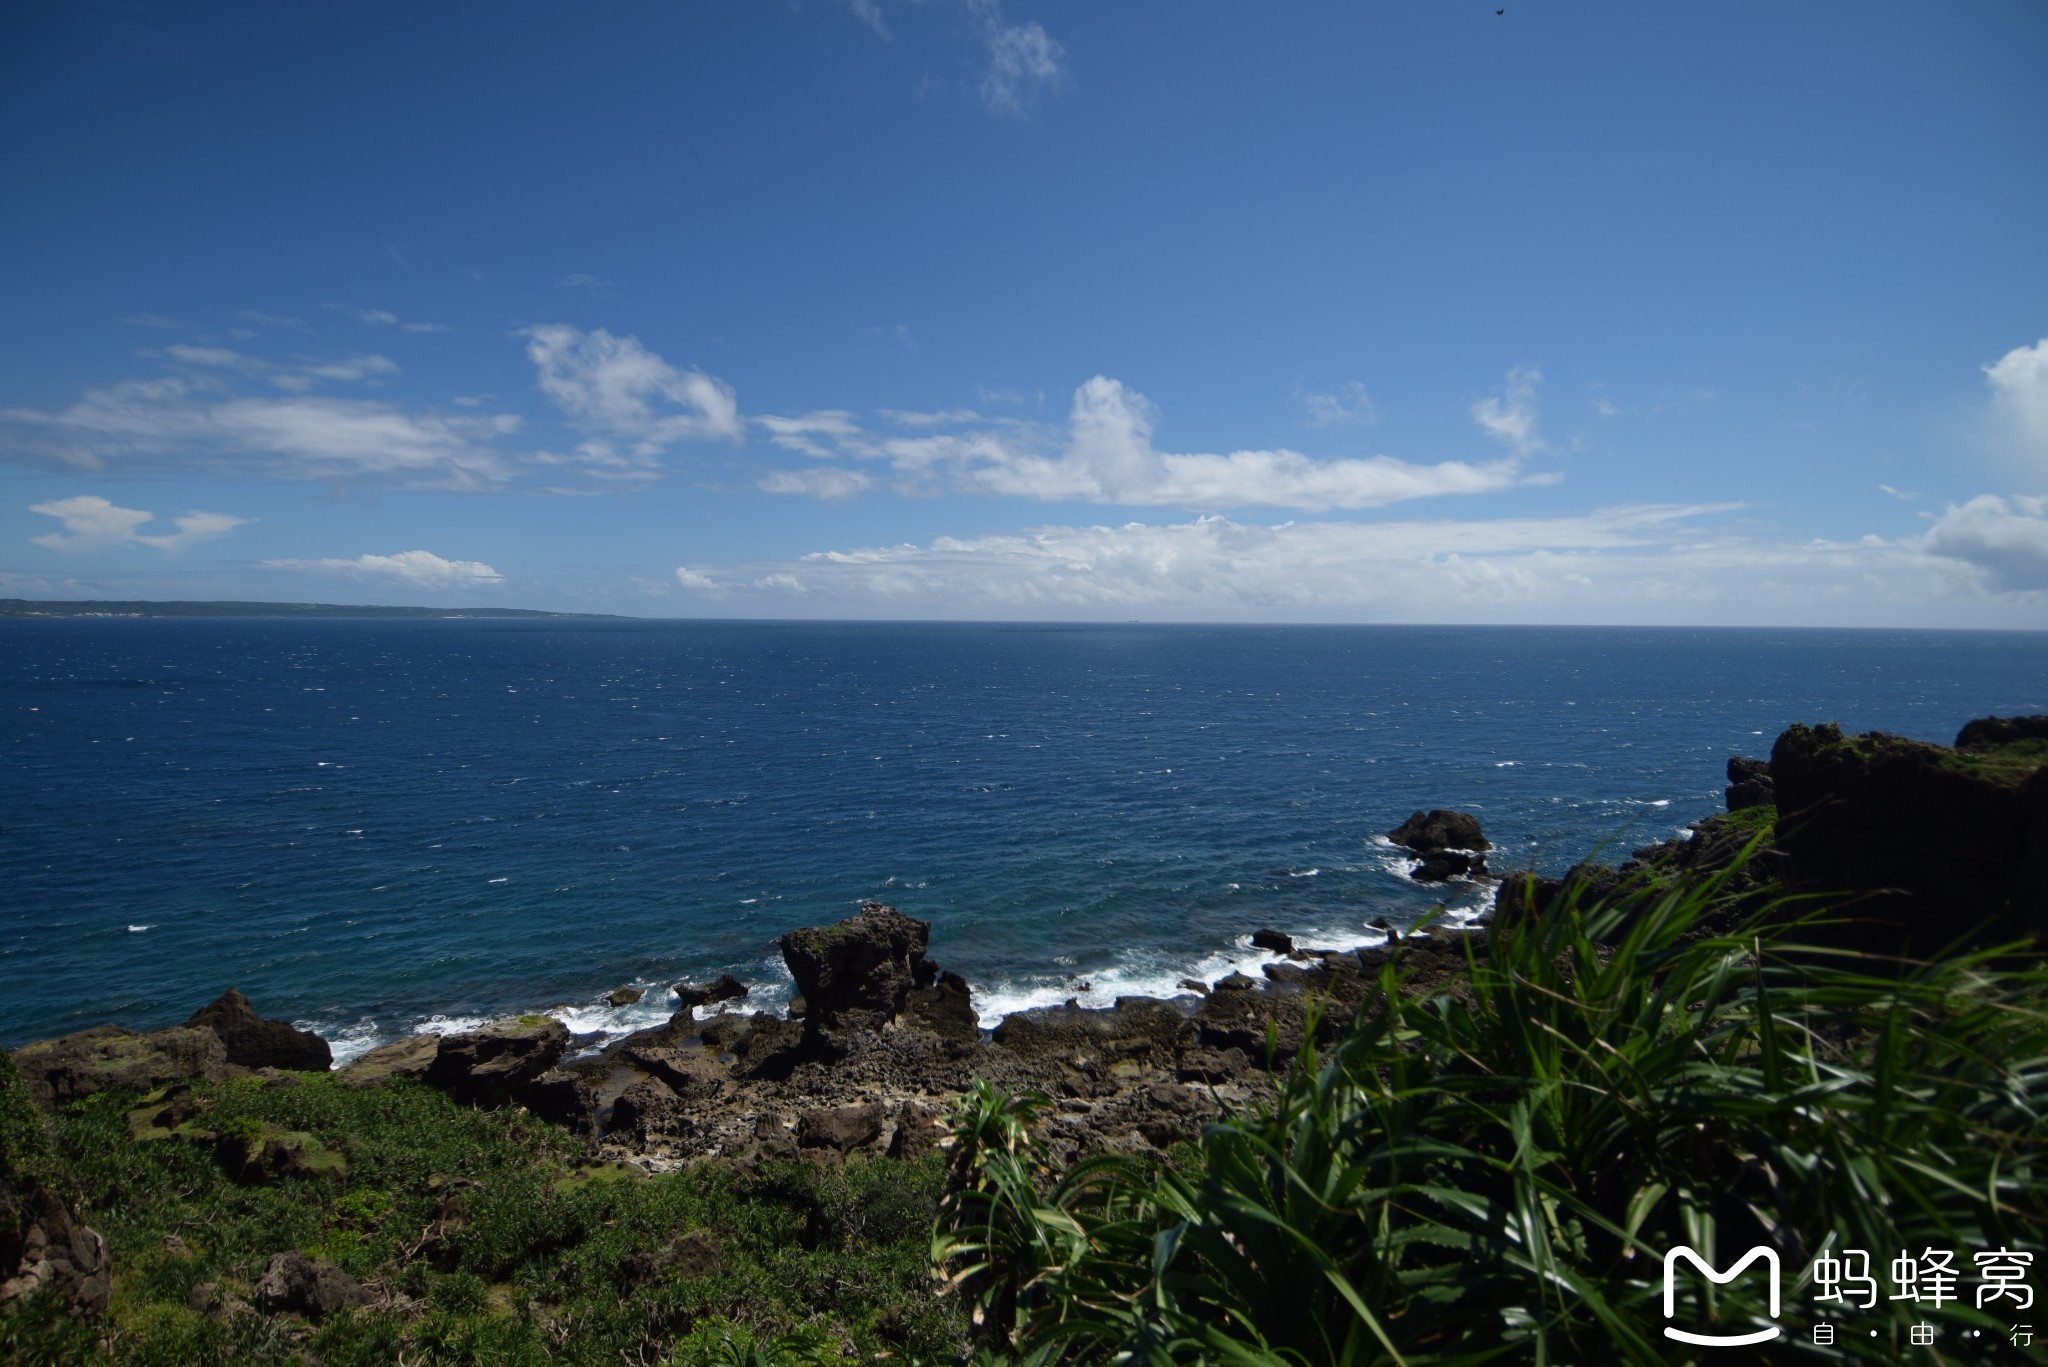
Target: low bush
(1499, 1179)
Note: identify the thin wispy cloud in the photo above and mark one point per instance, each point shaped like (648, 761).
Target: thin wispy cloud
(1612, 564)
(422, 568)
(152, 320)
(1509, 417)
(581, 281)
(178, 425)
(818, 481)
(1349, 406)
(869, 13)
(93, 523)
(272, 320)
(1024, 61)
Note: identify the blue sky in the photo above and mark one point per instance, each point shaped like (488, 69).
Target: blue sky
(958, 308)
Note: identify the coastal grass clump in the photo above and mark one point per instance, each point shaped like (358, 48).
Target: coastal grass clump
(1498, 1178)
(483, 1236)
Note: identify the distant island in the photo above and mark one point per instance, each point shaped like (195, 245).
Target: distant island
(110, 607)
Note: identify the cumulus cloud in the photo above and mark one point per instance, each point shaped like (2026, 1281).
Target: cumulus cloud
(1105, 454)
(1509, 417)
(2005, 541)
(617, 389)
(91, 522)
(1023, 61)
(697, 581)
(1351, 404)
(423, 568)
(819, 481)
(2019, 397)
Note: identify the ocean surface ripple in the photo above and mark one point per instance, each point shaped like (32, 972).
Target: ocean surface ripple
(375, 827)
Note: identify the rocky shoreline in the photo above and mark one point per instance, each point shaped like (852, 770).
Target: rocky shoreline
(1923, 845)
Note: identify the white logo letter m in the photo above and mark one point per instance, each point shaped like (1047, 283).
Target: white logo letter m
(1770, 1257)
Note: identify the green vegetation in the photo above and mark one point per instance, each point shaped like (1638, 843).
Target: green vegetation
(490, 1236)
(1493, 1174)
(1499, 1180)
(2010, 763)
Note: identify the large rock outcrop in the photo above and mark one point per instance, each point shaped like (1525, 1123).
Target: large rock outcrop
(54, 1071)
(1933, 844)
(493, 1066)
(1450, 843)
(253, 1042)
(859, 974)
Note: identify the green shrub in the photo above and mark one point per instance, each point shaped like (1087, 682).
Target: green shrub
(1457, 1181)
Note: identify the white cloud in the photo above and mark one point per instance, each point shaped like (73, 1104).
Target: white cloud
(1510, 416)
(423, 327)
(1903, 495)
(376, 317)
(2005, 541)
(1670, 563)
(1605, 406)
(272, 320)
(2019, 397)
(819, 481)
(869, 13)
(617, 388)
(298, 376)
(801, 433)
(423, 568)
(91, 522)
(580, 281)
(696, 581)
(1105, 454)
(175, 426)
(1023, 60)
(151, 320)
(1349, 405)
(384, 318)
(1620, 564)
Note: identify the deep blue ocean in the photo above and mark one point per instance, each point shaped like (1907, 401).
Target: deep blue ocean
(374, 826)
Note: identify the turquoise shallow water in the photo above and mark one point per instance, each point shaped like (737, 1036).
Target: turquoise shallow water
(370, 826)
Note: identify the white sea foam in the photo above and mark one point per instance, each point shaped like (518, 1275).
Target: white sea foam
(349, 1042)
(137, 930)
(448, 1025)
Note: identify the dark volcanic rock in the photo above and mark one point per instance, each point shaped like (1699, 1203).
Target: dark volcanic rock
(566, 1095)
(1526, 896)
(648, 1106)
(1749, 783)
(689, 1073)
(919, 1128)
(840, 1127)
(253, 1042)
(727, 988)
(312, 1287)
(1441, 866)
(946, 1008)
(625, 996)
(409, 1057)
(1273, 940)
(859, 973)
(41, 1245)
(1985, 732)
(1136, 1028)
(1428, 832)
(1940, 844)
(64, 1069)
(489, 1067)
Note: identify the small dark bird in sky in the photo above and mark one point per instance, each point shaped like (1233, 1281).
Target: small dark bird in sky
(1500, 11)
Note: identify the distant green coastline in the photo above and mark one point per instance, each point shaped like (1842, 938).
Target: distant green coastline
(109, 607)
